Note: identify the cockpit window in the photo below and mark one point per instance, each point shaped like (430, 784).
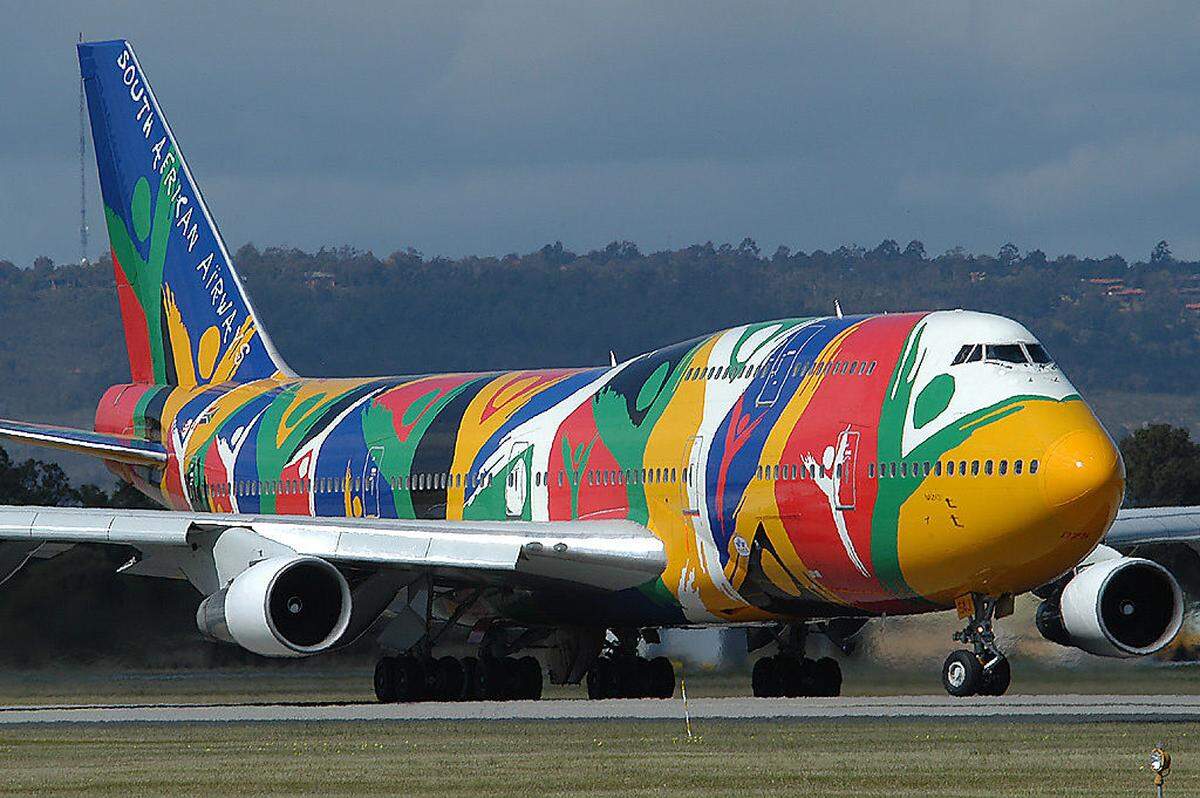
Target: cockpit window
(1037, 353)
(968, 354)
(1005, 353)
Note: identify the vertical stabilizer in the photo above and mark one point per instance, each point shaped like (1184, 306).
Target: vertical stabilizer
(187, 318)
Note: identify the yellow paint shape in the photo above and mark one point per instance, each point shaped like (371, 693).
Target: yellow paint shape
(998, 534)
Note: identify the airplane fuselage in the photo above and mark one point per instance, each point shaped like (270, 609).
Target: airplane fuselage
(793, 469)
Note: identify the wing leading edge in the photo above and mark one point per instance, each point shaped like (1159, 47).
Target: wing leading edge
(1137, 526)
(97, 444)
(605, 555)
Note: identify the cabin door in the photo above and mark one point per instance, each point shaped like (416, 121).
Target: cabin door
(516, 485)
(692, 483)
(845, 469)
(370, 482)
(784, 365)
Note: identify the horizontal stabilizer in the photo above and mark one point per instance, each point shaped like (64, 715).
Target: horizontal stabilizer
(97, 444)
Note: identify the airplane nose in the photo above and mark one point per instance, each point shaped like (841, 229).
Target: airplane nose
(1082, 465)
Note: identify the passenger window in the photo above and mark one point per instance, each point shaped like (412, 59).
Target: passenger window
(974, 468)
(925, 469)
(839, 471)
(1017, 467)
(893, 470)
(870, 471)
(1033, 466)
(904, 469)
(871, 368)
(1003, 467)
(1005, 353)
(854, 367)
(987, 468)
(937, 468)
(962, 468)
(674, 475)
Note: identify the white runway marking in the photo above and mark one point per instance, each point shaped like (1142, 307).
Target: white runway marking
(1063, 707)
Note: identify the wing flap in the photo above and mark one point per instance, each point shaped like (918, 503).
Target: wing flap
(96, 444)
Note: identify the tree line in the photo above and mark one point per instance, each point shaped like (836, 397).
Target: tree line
(340, 312)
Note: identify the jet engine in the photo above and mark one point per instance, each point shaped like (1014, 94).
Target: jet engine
(287, 606)
(1120, 607)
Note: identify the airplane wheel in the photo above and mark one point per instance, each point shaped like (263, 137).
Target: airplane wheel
(997, 678)
(470, 689)
(795, 675)
(764, 679)
(531, 678)
(962, 674)
(827, 677)
(386, 689)
(662, 678)
(493, 679)
(449, 678)
(598, 678)
(635, 678)
(410, 679)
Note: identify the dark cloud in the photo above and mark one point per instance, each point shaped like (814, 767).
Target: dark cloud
(493, 127)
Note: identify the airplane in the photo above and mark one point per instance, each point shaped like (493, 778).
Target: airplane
(795, 477)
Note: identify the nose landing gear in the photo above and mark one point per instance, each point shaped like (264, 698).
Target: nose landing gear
(982, 670)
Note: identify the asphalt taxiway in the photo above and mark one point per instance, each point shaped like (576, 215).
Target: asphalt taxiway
(1050, 708)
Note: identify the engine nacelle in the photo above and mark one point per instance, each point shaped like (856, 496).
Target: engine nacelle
(280, 607)
(1121, 607)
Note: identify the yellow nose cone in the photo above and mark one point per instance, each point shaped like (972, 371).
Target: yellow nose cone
(1083, 467)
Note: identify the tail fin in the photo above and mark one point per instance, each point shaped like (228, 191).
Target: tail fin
(187, 318)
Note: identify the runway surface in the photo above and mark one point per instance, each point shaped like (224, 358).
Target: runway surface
(1064, 707)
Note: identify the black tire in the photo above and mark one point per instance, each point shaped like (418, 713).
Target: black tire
(531, 678)
(637, 678)
(598, 679)
(492, 678)
(795, 676)
(449, 678)
(962, 674)
(410, 679)
(470, 691)
(662, 678)
(385, 680)
(764, 679)
(827, 677)
(997, 678)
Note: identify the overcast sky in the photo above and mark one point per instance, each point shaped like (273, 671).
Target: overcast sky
(486, 128)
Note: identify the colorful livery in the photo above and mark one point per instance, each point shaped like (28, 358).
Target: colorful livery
(799, 475)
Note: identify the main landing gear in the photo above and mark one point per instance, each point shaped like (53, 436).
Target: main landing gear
(790, 673)
(413, 678)
(619, 672)
(981, 670)
(418, 675)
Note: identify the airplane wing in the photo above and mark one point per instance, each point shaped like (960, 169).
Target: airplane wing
(1146, 525)
(97, 444)
(604, 555)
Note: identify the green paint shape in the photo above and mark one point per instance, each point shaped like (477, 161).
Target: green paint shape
(652, 388)
(140, 209)
(933, 399)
